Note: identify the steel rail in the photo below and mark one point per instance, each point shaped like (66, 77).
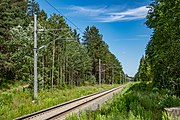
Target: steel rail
(47, 110)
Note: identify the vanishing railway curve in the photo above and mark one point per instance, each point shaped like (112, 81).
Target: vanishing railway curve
(61, 111)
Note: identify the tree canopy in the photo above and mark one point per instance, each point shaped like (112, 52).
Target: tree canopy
(163, 49)
(63, 59)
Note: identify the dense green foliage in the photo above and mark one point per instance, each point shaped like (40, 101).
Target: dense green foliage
(144, 71)
(62, 58)
(163, 50)
(12, 13)
(98, 49)
(139, 101)
(17, 103)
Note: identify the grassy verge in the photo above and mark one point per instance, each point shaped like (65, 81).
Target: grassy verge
(17, 103)
(139, 101)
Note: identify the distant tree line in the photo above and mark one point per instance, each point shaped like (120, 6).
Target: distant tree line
(161, 63)
(70, 60)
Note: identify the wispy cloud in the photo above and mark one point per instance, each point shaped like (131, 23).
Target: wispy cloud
(131, 14)
(109, 13)
(87, 11)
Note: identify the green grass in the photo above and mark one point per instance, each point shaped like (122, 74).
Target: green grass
(17, 103)
(11, 86)
(138, 101)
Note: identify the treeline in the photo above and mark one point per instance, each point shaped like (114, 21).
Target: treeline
(64, 58)
(161, 63)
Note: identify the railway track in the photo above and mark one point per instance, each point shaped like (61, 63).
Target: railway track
(61, 111)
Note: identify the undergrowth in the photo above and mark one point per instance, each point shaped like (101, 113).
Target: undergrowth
(139, 101)
(17, 103)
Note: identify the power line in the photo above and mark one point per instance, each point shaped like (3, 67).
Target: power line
(58, 38)
(76, 27)
(64, 16)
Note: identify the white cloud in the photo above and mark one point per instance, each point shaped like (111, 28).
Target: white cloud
(131, 14)
(141, 11)
(108, 14)
(87, 10)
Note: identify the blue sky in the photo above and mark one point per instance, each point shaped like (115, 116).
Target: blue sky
(121, 22)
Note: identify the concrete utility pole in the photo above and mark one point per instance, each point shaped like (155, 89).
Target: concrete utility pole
(99, 72)
(35, 57)
(112, 75)
(120, 77)
(36, 53)
(52, 81)
(43, 71)
(124, 78)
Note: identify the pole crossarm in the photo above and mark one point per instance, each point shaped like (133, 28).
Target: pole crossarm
(58, 38)
(43, 46)
(47, 30)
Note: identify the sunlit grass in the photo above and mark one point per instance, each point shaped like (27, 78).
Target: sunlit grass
(17, 103)
(138, 101)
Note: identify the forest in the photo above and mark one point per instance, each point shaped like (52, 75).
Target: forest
(161, 63)
(71, 60)
(64, 57)
(157, 83)
(67, 61)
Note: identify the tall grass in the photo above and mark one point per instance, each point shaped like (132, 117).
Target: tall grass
(17, 103)
(139, 101)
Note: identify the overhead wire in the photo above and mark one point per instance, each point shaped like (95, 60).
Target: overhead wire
(76, 27)
(58, 38)
(64, 16)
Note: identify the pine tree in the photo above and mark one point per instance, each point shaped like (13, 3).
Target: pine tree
(163, 50)
(12, 13)
(98, 49)
(33, 8)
